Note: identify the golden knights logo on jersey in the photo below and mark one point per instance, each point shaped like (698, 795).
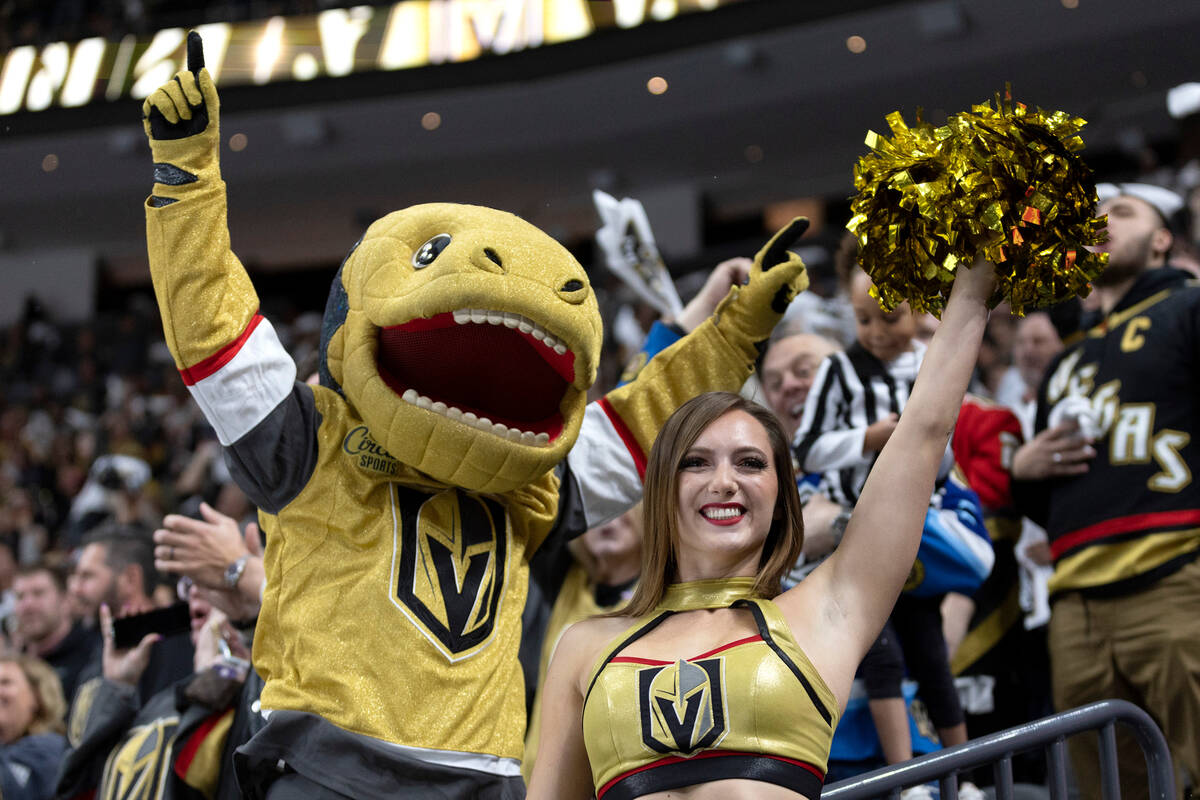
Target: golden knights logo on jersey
(450, 566)
(682, 705)
(137, 767)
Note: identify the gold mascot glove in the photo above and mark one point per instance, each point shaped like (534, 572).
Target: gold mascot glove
(182, 121)
(720, 354)
(204, 295)
(749, 313)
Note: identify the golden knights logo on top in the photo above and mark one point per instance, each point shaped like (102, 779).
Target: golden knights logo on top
(682, 705)
(449, 565)
(137, 768)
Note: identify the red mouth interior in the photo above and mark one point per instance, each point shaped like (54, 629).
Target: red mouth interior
(490, 370)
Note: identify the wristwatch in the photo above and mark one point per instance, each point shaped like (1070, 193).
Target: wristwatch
(233, 573)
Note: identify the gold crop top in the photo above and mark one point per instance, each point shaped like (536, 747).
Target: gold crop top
(754, 708)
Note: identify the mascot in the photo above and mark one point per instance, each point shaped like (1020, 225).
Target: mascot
(402, 498)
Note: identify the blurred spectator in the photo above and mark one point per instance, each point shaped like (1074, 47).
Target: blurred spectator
(113, 491)
(1035, 344)
(8, 597)
(116, 570)
(1122, 517)
(995, 357)
(45, 627)
(197, 720)
(599, 577)
(31, 728)
(788, 369)
(223, 562)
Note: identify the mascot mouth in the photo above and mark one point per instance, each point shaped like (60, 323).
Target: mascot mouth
(493, 370)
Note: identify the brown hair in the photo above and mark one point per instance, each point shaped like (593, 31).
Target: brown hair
(660, 526)
(57, 575)
(51, 712)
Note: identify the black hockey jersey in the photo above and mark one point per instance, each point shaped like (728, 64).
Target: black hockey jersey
(1134, 517)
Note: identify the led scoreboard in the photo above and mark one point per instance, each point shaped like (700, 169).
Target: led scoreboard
(333, 43)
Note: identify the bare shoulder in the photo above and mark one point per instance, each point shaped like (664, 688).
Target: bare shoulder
(583, 642)
(588, 637)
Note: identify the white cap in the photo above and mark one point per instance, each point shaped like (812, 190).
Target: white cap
(1164, 201)
(1183, 100)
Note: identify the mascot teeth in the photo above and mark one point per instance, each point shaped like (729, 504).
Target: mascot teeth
(496, 371)
(482, 316)
(482, 423)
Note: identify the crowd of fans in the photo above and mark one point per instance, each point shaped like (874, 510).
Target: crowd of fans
(98, 434)
(101, 445)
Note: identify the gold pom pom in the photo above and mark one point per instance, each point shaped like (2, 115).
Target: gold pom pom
(1005, 182)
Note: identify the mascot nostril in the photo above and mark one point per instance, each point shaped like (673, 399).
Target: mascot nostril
(574, 291)
(488, 260)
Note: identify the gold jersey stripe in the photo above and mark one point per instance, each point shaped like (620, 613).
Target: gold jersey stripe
(984, 636)
(1104, 564)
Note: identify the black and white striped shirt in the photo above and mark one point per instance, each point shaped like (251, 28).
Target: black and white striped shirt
(852, 389)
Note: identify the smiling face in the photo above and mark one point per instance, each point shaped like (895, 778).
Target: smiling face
(884, 334)
(728, 489)
(469, 344)
(788, 370)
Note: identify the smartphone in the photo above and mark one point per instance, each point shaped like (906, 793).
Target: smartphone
(129, 631)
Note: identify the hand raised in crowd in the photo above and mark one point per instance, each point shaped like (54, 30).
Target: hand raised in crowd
(125, 666)
(731, 272)
(879, 432)
(1056, 452)
(204, 549)
(201, 549)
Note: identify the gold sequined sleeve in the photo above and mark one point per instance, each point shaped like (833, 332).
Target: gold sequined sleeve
(205, 298)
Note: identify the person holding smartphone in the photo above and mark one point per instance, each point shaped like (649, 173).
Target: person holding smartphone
(116, 569)
(172, 740)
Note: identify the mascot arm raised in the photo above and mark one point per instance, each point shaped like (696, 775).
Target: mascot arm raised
(607, 464)
(226, 352)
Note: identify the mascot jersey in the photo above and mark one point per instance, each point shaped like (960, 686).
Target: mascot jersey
(401, 499)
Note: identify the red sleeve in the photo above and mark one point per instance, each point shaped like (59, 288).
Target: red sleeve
(985, 437)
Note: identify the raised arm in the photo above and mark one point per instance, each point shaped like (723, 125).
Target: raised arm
(227, 354)
(841, 607)
(209, 307)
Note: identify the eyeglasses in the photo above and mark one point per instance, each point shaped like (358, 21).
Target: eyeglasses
(183, 588)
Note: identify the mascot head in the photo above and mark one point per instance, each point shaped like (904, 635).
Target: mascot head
(466, 339)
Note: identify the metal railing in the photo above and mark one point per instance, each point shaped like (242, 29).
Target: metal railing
(998, 749)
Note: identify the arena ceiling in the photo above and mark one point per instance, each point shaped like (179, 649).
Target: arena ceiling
(768, 105)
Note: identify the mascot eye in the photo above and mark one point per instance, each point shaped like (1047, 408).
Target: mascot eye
(427, 252)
